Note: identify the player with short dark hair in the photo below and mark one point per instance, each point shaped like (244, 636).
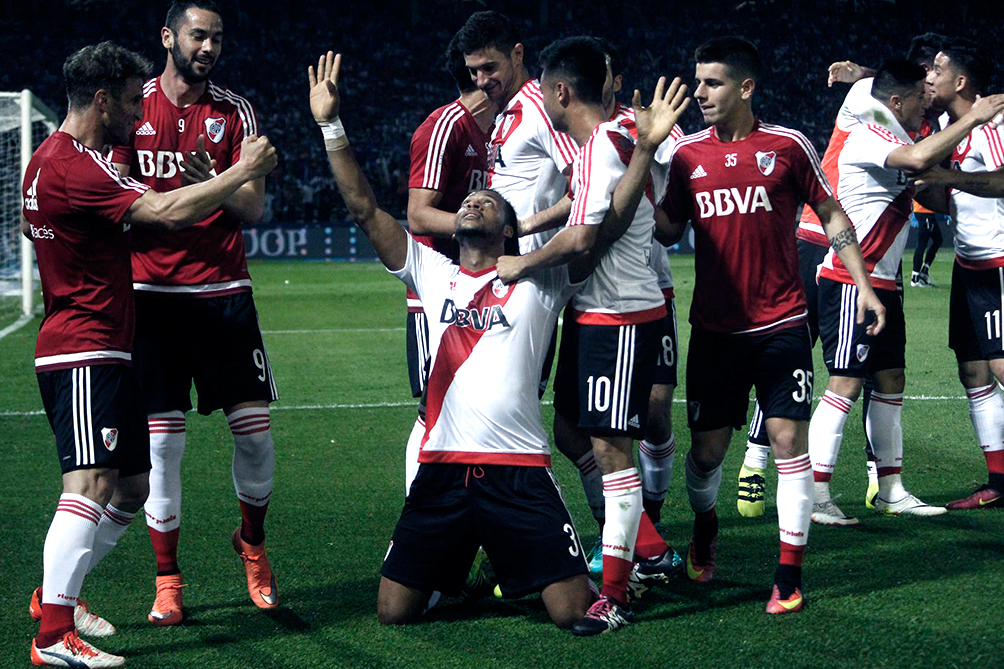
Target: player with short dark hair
(875, 192)
(449, 159)
(485, 476)
(973, 193)
(78, 209)
(740, 183)
(191, 129)
(605, 367)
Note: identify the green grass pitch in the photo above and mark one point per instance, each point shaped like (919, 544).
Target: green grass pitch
(892, 593)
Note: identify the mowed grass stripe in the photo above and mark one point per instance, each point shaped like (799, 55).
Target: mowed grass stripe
(895, 592)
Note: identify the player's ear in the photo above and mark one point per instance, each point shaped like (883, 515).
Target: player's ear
(748, 87)
(618, 83)
(167, 37)
(100, 100)
(516, 55)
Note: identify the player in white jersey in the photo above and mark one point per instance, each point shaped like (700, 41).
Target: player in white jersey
(604, 373)
(876, 195)
(485, 476)
(975, 200)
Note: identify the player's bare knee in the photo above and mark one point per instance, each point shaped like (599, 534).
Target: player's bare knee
(567, 601)
(979, 373)
(398, 604)
(131, 493)
(568, 439)
(846, 386)
(890, 381)
(97, 485)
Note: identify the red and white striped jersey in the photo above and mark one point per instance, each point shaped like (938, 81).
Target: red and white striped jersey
(623, 288)
(74, 201)
(878, 200)
(528, 157)
(488, 342)
(449, 154)
(742, 199)
(207, 258)
(979, 221)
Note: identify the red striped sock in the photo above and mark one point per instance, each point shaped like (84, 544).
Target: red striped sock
(165, 547)
(649, 543)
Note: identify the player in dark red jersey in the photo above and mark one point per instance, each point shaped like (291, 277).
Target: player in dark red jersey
(78, 210)
(740, 183)
(191, 129)
(449, 159)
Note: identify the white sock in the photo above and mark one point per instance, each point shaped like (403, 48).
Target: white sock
(114, 522)
(826, 431)
(167, 446)
(622, 492)
(656, 464)
(885, 431)
(872, 473)
(756, 455)
(794, 499)
(68, 546)
(702, 487)
(254, 454)
(986, 411)
(592, 484)
(411, 453)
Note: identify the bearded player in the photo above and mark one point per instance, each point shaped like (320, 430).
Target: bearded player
(199, 277)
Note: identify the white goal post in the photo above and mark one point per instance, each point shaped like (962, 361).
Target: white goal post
(24, 122)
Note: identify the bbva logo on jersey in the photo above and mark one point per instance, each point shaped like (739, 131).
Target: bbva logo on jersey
(484, 319)
(215, 128)
(725, 201)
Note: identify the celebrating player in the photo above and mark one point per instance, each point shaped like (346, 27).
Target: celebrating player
(604, 372)
(201, 277)
(78, 211)
(976, 203)
(449, 159)
(877, 196)
(485, 453)
(740, 182)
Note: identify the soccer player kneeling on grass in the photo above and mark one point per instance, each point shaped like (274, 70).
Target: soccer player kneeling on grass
(484, 476)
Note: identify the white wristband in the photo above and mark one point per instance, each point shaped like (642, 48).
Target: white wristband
(334, 135)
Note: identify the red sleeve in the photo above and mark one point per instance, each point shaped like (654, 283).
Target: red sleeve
(433, 147)
(678, 204)
(95, 186)
(810, 180)
(245, 124)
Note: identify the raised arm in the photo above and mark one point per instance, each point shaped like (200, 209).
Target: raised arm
(385, 234)
(188, 205)
(932, 150)
(844, 241)
(846, 72)
(424, 215)
(980, 184)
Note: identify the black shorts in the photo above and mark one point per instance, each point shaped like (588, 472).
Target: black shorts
(847, 349)
(604, 376)
(666, 357)
(98, 417)
(810, 257)
(721, 369)
(417, 342)
(214, 341)
(975, 328)
(516, 513)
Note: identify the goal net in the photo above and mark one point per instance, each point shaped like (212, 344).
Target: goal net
(24, 122)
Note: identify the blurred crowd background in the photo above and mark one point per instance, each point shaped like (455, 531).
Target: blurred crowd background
(393, 66)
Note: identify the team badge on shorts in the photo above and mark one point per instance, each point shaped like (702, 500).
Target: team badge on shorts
(765, 162)
(862, 352)
(695, 411)
(110, 437)
(499, 289)
(215, 128)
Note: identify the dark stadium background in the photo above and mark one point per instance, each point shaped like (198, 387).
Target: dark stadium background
(393, 73)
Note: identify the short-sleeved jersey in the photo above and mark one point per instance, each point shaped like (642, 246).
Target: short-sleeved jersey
(660, 174)
(528, 157)
(74, 201)
(742, 199)
(449, 154)
(979, 221)
(207, 258)
(877, 200)
(623, 288)
(488, 342)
